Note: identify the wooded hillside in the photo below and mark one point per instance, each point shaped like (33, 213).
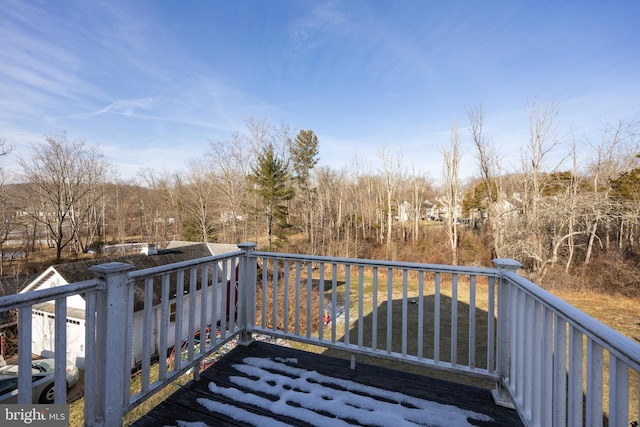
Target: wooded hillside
(577, 218)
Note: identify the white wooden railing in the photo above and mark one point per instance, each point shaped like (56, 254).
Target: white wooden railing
(485, 322)
(550, 380)
(403, 311)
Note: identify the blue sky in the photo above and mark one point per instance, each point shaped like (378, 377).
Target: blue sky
(152, 82)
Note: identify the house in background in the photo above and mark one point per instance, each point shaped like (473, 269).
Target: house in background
(43, 315)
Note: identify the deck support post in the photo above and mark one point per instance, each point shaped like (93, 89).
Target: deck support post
(501, 394)
(247, 289)
(111, 337)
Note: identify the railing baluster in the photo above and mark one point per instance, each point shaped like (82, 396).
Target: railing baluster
(436, 320)
(224, 303)
(60, 379)
(521, 335)
(309, 298)
(285, 302)
(164, 325)
(215, 309)
(334, 300)
(420, 315)
(274, 297)
(405, 302)
(128, 345)
(147, 332)
(454, 319)
(347, 304)
(618, 392)
(472, 321)
(547, 373)
(24, 355)
(90, 358)
(514, 333)
(594, 383)
(389, 310)
(204, 312)
(233, 298)
(192, 313)
(560, 373)
(321, 301)
(536, 362)
(528, 357)
(177, 359)
(297, 298)
(491, 325)
(374, 313)
(575, 377)
(361, 307)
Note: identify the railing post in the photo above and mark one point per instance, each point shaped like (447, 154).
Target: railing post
(247, 288)
(500, 394)
(111, 335)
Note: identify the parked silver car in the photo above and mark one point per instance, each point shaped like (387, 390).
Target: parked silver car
(42, 380)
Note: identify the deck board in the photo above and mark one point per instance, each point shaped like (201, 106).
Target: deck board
(184, 404)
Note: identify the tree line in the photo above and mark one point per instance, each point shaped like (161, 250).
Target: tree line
(264, 184)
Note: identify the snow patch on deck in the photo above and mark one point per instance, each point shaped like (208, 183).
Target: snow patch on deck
(321, 400)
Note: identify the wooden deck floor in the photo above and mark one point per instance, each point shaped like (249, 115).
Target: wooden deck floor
(269, 385)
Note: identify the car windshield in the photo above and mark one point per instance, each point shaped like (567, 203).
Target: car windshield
(12, 370)
(9, 370)
(43, 365)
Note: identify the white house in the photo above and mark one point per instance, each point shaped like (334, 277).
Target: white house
(43, 314)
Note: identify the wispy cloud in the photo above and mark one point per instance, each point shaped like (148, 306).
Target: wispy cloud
(124, 107)
(38, 69)
(310, 31)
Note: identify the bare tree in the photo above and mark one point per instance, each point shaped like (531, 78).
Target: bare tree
(451, 172)
(7, 219)
(331, 201)
(363, 191)
(260, 132)
(229, 165)
(5, 148)
(7, 210)
(544, 139)
(490, 174)
(572, 204)
(63, 176)
(419, 187)
(165, 203)
(198, 200)
(392, 172)
(616, 153)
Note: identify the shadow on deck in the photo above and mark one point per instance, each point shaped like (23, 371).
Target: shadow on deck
(269, 385)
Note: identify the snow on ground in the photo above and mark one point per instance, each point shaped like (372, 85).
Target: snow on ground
(321, 400)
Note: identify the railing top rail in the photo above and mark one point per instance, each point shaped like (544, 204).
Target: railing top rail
(442, 268)
(43, 295)
(169, 268)
(621, 346)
